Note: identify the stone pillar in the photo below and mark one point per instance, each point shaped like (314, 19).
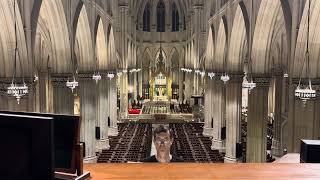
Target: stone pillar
(180, 86)
(102, 114)
(233, 118)
(140, 74)
(275, 148)
(135, 86)
(113, 129)
(45, 93)
(88, 118)
(208, 130)
(257, 122)
(124, 59)
(63, 99)
(217, 113)
(188, 87)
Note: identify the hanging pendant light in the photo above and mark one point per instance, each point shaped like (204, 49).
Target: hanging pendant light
(306, 93)
(246, 84)
(250, 85)
(16, 90)
(72, 84)
(225, 77)
(111, 75)
(96, 75)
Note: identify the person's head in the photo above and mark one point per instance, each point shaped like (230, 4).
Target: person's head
(163, 139)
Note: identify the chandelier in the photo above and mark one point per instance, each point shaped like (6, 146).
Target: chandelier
(306, 93)
(96, 77)
(211, 75)
(225, 78)
(111, 75)
(72, 84)
(16, 90)
(246, 84)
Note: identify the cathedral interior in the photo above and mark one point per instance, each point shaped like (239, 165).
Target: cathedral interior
(236, 80)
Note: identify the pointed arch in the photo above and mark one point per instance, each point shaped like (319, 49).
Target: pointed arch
(52, 45)
(220, 50)
(269, 14)
(114, 58)
(161, 16)
(7, 41)
(314, 42)
(175, 18)
(237, 43)
(101, 47)
(210, 50)
(84, 42)
(174, 58)
(147, 17)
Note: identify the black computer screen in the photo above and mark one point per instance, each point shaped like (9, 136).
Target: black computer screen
(27, 147)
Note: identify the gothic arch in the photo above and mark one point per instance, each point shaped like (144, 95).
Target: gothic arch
(52, 32)
(84, 43)
(237, 40)
(314, 43)
(218, 61)
(7, 41)
(268, 14)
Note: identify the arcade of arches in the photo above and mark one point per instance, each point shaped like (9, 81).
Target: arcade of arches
(161, 61)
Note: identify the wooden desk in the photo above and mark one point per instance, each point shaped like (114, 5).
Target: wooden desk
(203, 171)
(289, 158)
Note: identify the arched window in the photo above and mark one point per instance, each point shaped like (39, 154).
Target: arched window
(175, 18)
(161, 16)
(146, 18)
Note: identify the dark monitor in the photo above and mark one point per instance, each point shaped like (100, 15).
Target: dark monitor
(27, 147)
(310, 151)
(66, 137)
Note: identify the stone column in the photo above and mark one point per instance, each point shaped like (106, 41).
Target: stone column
(140, 74)
(233, 118)
(135, 87)
(63, 99)
(124, 53)
(275, 148)
(180, 86)
(257, 122)
(88, 118)
(102, 114)
(45, 93)
(208, 130)
(113, 129)
(188, 87)
(217, 113)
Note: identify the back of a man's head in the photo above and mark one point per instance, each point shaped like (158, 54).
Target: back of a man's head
(162, 129)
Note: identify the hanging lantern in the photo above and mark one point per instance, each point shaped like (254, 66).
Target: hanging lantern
(225, 78)
(248, 85)
(211, 75)
(111, 75)
(72, 84)
(16, 90)
(96, 77)
(306, 93)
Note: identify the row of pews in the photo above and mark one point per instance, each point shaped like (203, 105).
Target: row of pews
(191, 146)
(132, 144)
